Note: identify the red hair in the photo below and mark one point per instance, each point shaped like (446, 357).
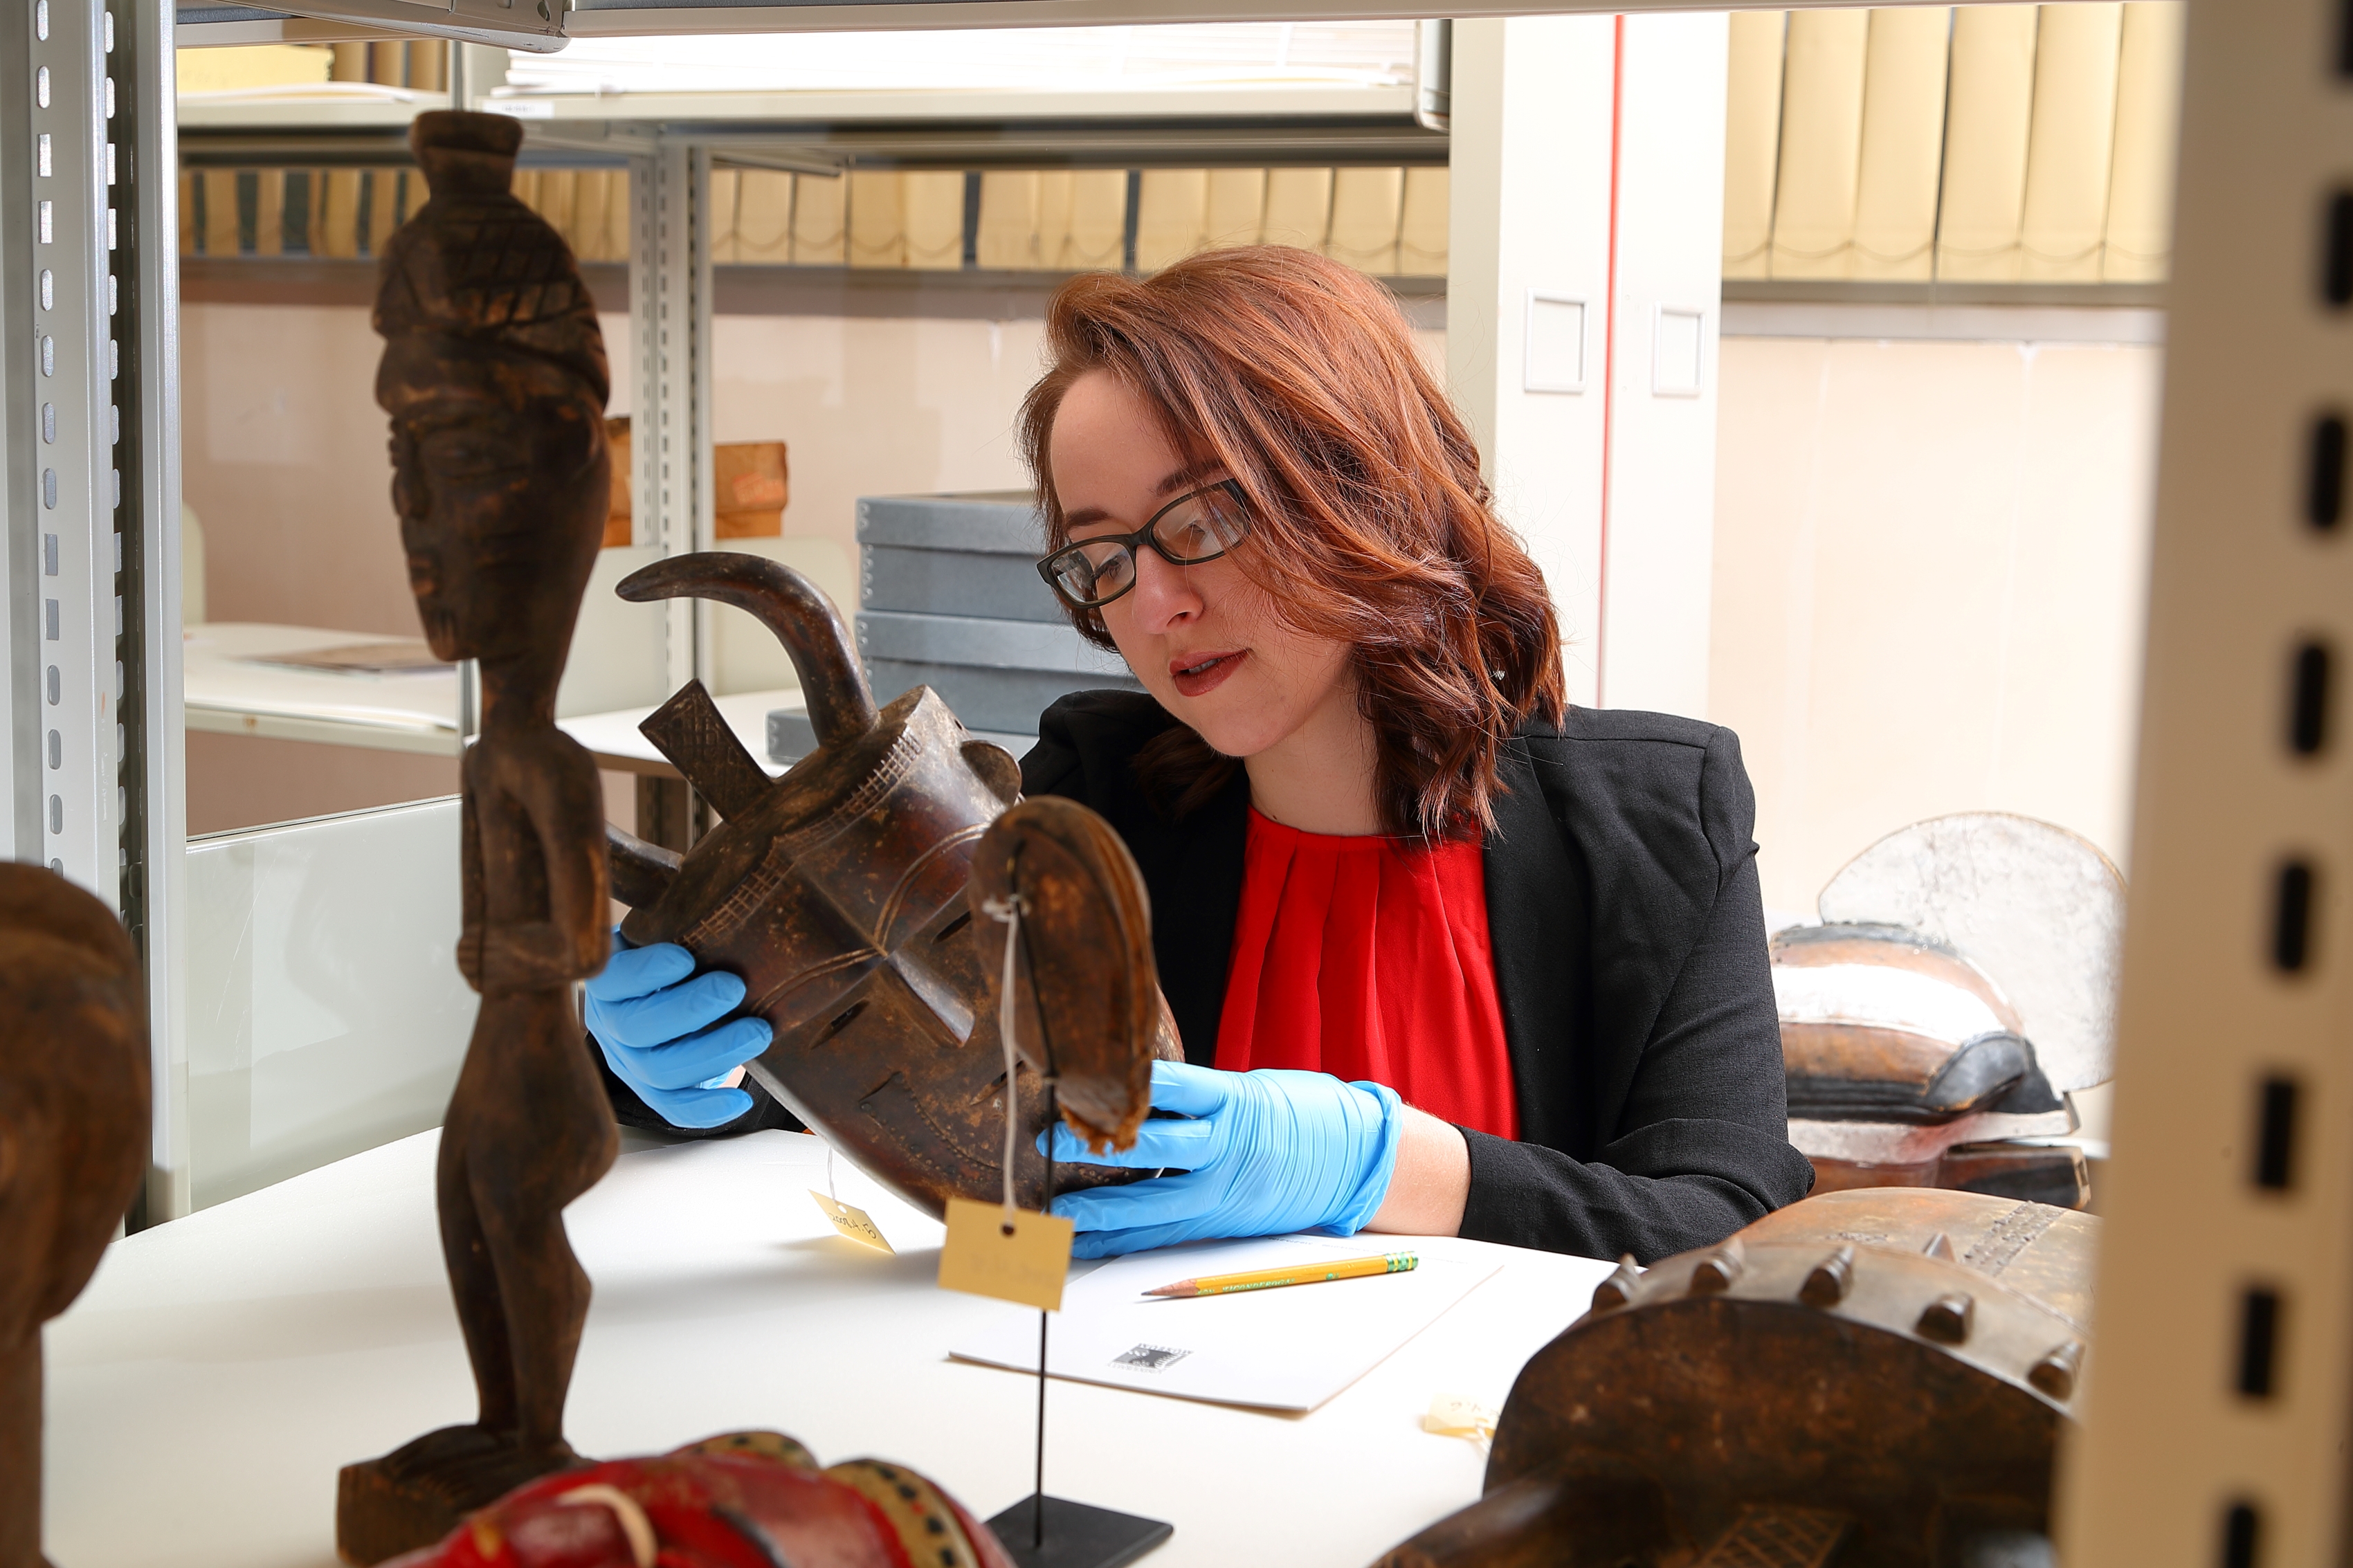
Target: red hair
(1370, 522)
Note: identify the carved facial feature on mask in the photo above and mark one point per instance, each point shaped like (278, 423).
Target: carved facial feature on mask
(494, 375)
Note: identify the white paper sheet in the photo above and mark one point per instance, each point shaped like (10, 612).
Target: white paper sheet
(1289, 1348)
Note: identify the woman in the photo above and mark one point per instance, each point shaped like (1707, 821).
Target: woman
(1446, 955)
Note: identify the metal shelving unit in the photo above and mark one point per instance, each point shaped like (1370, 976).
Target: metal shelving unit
(2208, 1442)
(88, 273)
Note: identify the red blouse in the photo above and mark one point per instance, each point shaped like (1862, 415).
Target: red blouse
(1356, 957)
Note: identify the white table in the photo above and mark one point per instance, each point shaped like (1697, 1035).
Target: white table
(206, 1388)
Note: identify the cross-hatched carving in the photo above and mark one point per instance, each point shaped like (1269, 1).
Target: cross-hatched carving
(1778, 1538)
(2012, 1233)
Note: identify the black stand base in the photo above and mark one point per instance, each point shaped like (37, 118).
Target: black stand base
(1078, 1535)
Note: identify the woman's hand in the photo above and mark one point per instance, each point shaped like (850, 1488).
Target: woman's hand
(1262, 1154)
(658, 1024)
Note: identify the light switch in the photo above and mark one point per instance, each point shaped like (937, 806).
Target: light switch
(1555, 360)
(1676, 350)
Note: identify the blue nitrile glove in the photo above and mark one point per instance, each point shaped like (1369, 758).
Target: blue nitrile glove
(657, 1021)
(1271, 1152)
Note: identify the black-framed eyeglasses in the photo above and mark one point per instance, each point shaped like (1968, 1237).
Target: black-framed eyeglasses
(1196, 527)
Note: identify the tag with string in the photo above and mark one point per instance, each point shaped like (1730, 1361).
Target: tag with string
(848, 1219)
(1453, 1416)
(1003, 1250)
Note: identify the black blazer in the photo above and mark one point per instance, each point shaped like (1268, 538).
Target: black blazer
(1628, 939)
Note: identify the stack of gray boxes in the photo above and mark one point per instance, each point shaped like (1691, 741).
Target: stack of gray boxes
(949, 598)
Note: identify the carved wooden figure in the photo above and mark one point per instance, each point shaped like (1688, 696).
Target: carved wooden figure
(838, 892)
(495, 377)
(73, 1143)
(1875, 1377)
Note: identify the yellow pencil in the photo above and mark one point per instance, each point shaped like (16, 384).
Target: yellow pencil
(1297, 1274)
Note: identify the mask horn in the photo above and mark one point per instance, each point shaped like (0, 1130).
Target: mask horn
(642, 872)
(833, 682)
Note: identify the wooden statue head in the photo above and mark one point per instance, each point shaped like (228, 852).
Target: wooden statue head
(495, 377)
(73, 1091)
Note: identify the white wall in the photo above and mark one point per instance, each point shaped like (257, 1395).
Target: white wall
(1654, 632)
(1929, 566)
(866, 406)
(286, 461)
(283, 454)
(1530, 198)
(1587, 158)
(875, 406)
(285, 448)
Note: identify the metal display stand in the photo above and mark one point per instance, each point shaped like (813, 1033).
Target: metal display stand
(1042, 1531)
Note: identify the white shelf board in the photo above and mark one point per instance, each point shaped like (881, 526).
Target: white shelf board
(1310, 104)
(279, 111)
(898, 105)
(320, 731)
(609, 20)
(249, 27)
(228, 694)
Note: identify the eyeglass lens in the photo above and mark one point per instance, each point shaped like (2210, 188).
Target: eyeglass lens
(1200, 527)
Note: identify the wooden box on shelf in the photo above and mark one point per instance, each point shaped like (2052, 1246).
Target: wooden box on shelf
(750, 486)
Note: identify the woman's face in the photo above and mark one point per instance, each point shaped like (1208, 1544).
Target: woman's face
(1203, 639)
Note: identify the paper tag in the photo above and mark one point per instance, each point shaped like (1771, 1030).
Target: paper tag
(1453, 1416)
(853, 1223)
(1027, 1267)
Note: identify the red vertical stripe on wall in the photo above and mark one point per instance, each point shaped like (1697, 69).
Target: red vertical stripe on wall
(1608, 367)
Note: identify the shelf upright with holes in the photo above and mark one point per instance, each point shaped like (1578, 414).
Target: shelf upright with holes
(89, 397)
(2222, 1395)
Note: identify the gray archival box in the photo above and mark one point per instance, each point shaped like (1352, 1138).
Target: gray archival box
(949, 598)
